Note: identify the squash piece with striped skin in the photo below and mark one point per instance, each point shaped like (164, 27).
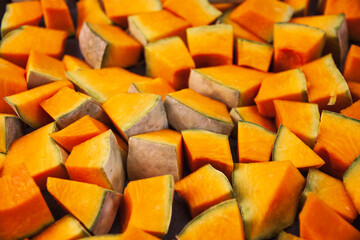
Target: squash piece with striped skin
(234, 86)
(288, 147)
(27, 104)
(300, 118)
(319, 221)
(203, 147)
(16, 47)
(67, 227)
(225, 216)
(255, 143)
(287, 236)
(157, 86)
(186, 109)
(279, 184)
(154, 154)
(211, 45)
(99, 161)
(42, 69)
(293, 88)
(21, 202)
(136, 113)
(351, 180)
(148, 205)
(18, 14)
(353, 111)
(103, 45)
(338, 142)
(354, 89)
(352, 63)
(43, 161)
(203, 189)
(72, 63)
(67, 106)
(332, 191)
(94, 206)
(11, 128)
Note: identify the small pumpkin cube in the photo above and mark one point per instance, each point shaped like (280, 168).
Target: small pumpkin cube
(353, 111)
(154, 154)
(351, 179)
(211, 45)
(105, 45)
(157, 86)
(136, 113)
(11, 128)
(203, 189)
(101, 204)
(186, 109)
(42, 69)
(72, 63)
(351, 68)
(170, 60)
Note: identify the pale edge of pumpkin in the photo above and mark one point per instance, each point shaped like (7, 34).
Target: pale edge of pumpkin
(136, 32)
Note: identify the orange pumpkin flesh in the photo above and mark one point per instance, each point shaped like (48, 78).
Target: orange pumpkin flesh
(353, 111)
(352, 63)
(72, 63)
(354, 88)
(157, 86)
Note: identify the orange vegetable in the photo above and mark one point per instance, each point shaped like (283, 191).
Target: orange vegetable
(157, 86)
(351, 182)
(11, 128)
(72, 63)
(351, 68)
(353, 111)
(354, 88)
(300, 7)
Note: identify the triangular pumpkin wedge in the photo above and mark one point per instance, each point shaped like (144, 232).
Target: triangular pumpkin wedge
(101, 84)
(95, 207)
(11, 128)
(353, 111)
(332, 191)
(222, 221)
(279, 184)
(288, 147)
(44, 159)
(157, 86)
(300, 118)
(338, 142)
(27, 104)
(72, 63)
(319, 221)
(351, 181)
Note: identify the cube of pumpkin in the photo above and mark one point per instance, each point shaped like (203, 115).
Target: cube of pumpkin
(11, 128)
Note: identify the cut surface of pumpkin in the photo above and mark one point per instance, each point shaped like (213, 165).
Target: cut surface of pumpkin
(11, 128)
(352, 63)
(354, 88)
(72, 63)
(157, 86)
(353, 111)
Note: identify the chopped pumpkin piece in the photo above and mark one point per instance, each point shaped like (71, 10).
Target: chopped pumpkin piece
(234, 86)
(203, 189)
(352, 64)
(211, 45)
(351, 181)
(18, 14)
(136, 113)
(104, 45)
(16, 47)
(15, 69)
(157, 86)
(154, 154)
(21, 202)
(293, 88)
(354, 88)
(94, 206)
(353, 111)
(170, 60)
(11, 128)
(186, 109)
(72, 63)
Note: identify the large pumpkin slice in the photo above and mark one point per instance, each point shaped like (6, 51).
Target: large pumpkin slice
(293, 88)
(148, 204)
(222, 221)
(211, 45)
(157, 86)
(11, 128)
(145, 27)
(354, 88)
(186, 109)
(336, 33)
(93, 206)
(259, 16)
(27, 104)
(338, 142)
(196, 12)
(300, 118)
(279, 184)
(18, 14)
(319, 221)
(203, 147)
(203, 189)
(101, 84)
(353, 111)
(296, 44)
(136, 113)
(98, 161)
(351, 181)
(154, 154)
(67, 106)
(42, 69)
(23, 210)
(72, 63)
(103, 45)
(332, 191)
(170, 60)
(351, 68)
(44, 160)
(67, 227)
(17, 46)
(232, 85)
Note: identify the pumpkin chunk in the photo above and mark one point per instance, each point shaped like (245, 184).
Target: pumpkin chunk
(351, 181)
(72, 63)
(351, 68)
(100, 204)
(187, 109)
(157, 86)
(11, 128)
(353, 111)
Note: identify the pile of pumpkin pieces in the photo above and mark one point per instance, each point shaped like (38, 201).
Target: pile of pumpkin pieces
(95, 124)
